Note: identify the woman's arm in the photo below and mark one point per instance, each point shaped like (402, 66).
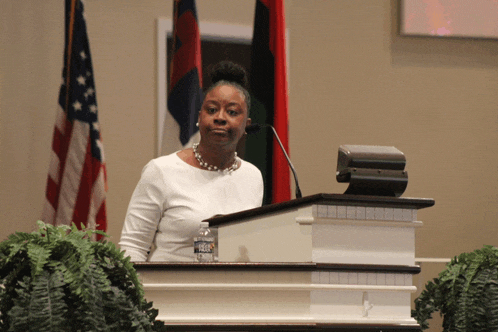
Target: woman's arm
(144, 213)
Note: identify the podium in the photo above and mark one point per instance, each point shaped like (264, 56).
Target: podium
(325, 262)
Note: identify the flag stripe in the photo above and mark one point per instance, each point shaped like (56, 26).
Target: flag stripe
(281, 173)
(58, 141)
(61, 144)
(60, 148)
(72, 174)
(98, 190)
(53, 170)
(259, 148)
(101, 217)
(83, 195)
(52, 194)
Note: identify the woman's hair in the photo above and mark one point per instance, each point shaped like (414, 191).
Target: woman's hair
(229, 73)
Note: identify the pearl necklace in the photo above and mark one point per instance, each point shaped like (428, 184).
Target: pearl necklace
(204, 164)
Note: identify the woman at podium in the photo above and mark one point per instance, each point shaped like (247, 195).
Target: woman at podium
(176, 192)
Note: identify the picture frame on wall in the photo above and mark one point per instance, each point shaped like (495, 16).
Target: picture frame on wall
(449, 18)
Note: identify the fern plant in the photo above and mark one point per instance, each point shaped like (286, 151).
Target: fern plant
(57, 279)
(465, 294)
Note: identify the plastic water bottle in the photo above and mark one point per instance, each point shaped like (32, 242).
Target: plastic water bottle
(204, 244)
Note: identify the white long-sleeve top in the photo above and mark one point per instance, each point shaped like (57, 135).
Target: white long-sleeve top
(173, 197)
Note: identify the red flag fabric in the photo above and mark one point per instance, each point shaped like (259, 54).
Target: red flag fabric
(77, 183)
(281, 175)
(268, 77)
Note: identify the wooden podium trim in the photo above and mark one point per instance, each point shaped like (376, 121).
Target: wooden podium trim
(322, 327)
(312, 267)
(324, 199)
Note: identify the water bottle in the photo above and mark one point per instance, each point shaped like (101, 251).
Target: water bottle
(204, 244)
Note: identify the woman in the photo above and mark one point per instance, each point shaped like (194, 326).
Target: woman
(178, 191)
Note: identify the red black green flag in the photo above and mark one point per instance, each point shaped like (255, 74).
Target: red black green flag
(268, 85)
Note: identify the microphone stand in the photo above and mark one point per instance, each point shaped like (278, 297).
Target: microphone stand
(253, 128)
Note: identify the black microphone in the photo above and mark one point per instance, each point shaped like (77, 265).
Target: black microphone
(256, 127)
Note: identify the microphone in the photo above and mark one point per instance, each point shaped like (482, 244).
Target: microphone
(256, 127)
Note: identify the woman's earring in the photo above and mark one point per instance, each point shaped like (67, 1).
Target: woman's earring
(197, 124)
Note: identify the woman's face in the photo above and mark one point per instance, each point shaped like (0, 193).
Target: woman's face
(223, 116)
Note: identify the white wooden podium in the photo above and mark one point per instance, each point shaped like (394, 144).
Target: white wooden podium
(323, 262)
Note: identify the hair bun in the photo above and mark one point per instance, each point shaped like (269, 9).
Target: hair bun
(230, 72)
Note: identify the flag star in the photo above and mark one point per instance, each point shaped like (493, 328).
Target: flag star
(77, 106)
(90, 91)
(83, 55)
(88, 74)
(81, 80)
(96, 127)
(93, 108)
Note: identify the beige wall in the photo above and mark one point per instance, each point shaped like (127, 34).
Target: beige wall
(353, 80)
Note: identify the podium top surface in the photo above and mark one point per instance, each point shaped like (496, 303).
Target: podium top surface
(274, 266)
(324, 199)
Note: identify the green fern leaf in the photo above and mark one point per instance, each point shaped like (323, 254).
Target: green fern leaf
(38, 256)
(92, 316)
(47, 308)
(491, 298)
(57, 279)
(19, 312)
(465, 293)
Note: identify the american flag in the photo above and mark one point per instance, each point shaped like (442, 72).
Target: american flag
(77, 184)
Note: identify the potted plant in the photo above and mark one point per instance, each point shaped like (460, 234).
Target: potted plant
(57, 279)
(465, 293)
